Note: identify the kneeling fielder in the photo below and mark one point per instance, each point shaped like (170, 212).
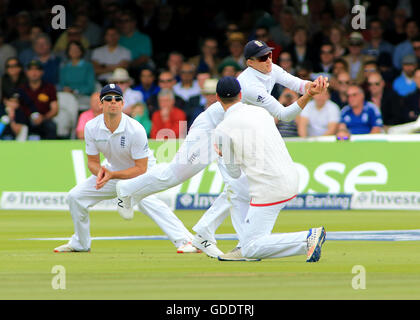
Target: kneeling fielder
(248, 140)
(123, 142)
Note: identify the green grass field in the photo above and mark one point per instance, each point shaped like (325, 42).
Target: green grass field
(151, 269)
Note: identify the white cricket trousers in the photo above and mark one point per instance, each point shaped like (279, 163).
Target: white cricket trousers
(256, 238)
(84, 195)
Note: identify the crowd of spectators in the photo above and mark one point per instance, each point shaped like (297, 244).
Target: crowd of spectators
(167, 56)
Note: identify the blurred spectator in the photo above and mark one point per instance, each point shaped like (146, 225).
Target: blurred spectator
(146, 14)
(167, 81)
(23, 27)
(27, 54)
(89, 30)
(208, 91)
(110, 56)
(6, 52)
(50, 62)
(187, 87)
(369, 67)
(208, 60)
(287, 129)
(229, 68)
(262, 33)
(197, 100)
(285, 61)
(338, 40)
(320, 117)
(174, 64)
(77, 75)
(111, 13)
(73, 33)
(326, 60)
(138, 43)
(397, 33)
(169, 119)
(147, 84)
(121, 77)
(39, 102)
(300, 49)
(377, 44)
(339, 66)
(236, 44)
(388, 101)
(412, 101)
(140, 113)
(13, 120)
(359, 116)
(355, 59)
(282, 33)
(95, 110)
(339, 96)
(13, 78)
(325, 21)
(404, 84)
(416, 48)
(341, 9)
(385, 66)
(406, 48)
(304, 71)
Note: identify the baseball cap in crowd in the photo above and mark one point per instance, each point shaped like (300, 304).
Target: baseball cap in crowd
(356, 38)
(256, 48)
(409, 59)
(209, 86)
(110, 88)
(228, 87)
(34, 63)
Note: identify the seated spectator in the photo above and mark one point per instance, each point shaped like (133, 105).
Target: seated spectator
(339, 96)
(140, 113)
(73, 33)
(174, 64)
(166, 81)
(12, 118)
(304, 71)
(339, 66)
(121, 77)
(377, 44)
(416, 47)
(355, 59)
(326, 61)
(110, 56)
(198, 104)
(287, 129)
(320, 117)
(282, 31)
(13, 78)
(77, 75)
(50, 62)
(359, 116)
(187, 87)
(229, 68)
(94, 111)
(301, 50)
(397, 32)
(404, 84)
(388, 101)
(208, 60)
(6, 52)
(147, 84)
(22, 24)
(338, 40)
(262, 33)
(168, 121)
(236, 44)
(39, 102)
(406, 47)
(89, 30)
(370, 67)
(27, 54)
(412, 101)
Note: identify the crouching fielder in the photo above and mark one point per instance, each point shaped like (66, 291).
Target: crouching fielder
(248, 140)
(123, 142)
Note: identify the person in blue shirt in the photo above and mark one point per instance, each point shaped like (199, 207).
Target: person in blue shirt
(359, 116)
(147, 85)
(404, 84)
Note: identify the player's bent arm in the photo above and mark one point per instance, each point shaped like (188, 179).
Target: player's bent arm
(139, 168)
(94, 164)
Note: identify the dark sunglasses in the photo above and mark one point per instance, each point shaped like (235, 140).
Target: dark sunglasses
(264, 57)
(109, 98)
(13, 66)
(374, 83)
(166, 80)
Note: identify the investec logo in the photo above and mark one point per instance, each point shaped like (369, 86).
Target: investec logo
(195, 201)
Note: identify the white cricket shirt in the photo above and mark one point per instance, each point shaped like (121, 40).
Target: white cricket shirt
(319, 119)
(120, 148)
(249, 139)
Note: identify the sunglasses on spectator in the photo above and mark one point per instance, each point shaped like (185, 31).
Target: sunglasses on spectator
(326, 52)
(187, 71)
(344, 82)
(374, 83)
(369, 70)
(264, 57)
(109, 98)
(166, 80)
(13, 66)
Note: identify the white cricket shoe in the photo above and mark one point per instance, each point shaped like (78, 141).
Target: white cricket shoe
(67, 248)
(207, 246)
(235, 255)
(315, 240)
(188, 248)
(124, 207)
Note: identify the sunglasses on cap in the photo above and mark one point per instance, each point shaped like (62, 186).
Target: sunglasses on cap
(264, 57)
(109, 98)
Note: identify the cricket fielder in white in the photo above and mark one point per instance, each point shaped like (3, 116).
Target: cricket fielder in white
(196, 152)
(123, 142)
(249, 142)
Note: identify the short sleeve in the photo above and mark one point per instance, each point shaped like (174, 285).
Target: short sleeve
(140, 145)
(91, 149)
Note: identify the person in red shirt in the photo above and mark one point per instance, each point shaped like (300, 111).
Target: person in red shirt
(169, 121)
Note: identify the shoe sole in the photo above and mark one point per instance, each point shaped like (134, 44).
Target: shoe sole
(198, 251)
(316, 255)
(240, 259)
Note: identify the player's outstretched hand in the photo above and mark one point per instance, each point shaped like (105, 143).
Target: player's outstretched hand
(317, 86)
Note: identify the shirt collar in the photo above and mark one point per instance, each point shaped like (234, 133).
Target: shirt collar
(262, 76)
(121, 126)
(233, 108)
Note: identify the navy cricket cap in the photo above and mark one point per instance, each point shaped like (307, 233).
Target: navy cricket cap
(110, 88)
(256, 48)
(228, 87)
